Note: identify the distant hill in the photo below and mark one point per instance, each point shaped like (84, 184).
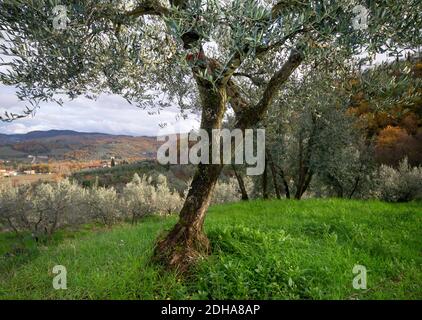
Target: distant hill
(73, 145)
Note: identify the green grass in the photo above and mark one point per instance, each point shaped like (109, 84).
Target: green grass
(261, 250)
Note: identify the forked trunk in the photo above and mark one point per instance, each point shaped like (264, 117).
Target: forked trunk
(186, 242)
(304, 182)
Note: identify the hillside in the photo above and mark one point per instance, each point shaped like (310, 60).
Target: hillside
(261, 250)
(72, 145)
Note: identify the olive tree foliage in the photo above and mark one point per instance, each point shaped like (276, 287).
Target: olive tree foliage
(139, 48)
(390, 83)
(229, 191)
(315, 138)
(104, 205)
(42, 209)
(142, 198)
(350, 172)
(13, 212)
(400, 184)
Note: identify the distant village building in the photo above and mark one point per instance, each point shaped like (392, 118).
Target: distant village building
(105, 164)
(29, 172)
(9, 173)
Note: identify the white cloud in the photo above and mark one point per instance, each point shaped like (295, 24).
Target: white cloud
(107, 114)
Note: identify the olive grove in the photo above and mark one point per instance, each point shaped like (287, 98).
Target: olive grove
(208, 55)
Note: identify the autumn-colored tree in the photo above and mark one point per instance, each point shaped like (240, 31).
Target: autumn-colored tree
(388, 94)
(395, 143)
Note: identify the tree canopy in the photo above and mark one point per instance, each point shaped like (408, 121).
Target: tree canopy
(139, 49)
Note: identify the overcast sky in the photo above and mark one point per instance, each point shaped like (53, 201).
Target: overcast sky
(107, 114)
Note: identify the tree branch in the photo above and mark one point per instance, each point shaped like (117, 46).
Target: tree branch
(9, 117)
(255, 80)
(237, 101)
(238, 57)
(253, 114)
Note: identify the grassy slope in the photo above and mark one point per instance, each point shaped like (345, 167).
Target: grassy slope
(261, 250)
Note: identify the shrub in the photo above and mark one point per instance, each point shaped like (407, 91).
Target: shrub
(103, 205)
(14, 207)
(226, 192)
(400, 185)
(41, 209)
(167, 201)
(142, 198)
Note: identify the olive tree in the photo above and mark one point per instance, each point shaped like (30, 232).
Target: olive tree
(142, 198)
(141, 49)
(315, 135)
(42, 208)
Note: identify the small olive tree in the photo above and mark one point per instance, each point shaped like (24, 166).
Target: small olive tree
(14, 207)
(316, 133)
(400, 184)
(103, 205)
(44, 208)
(142, 198)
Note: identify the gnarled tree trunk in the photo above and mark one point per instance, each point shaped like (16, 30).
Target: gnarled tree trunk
(186, 242)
